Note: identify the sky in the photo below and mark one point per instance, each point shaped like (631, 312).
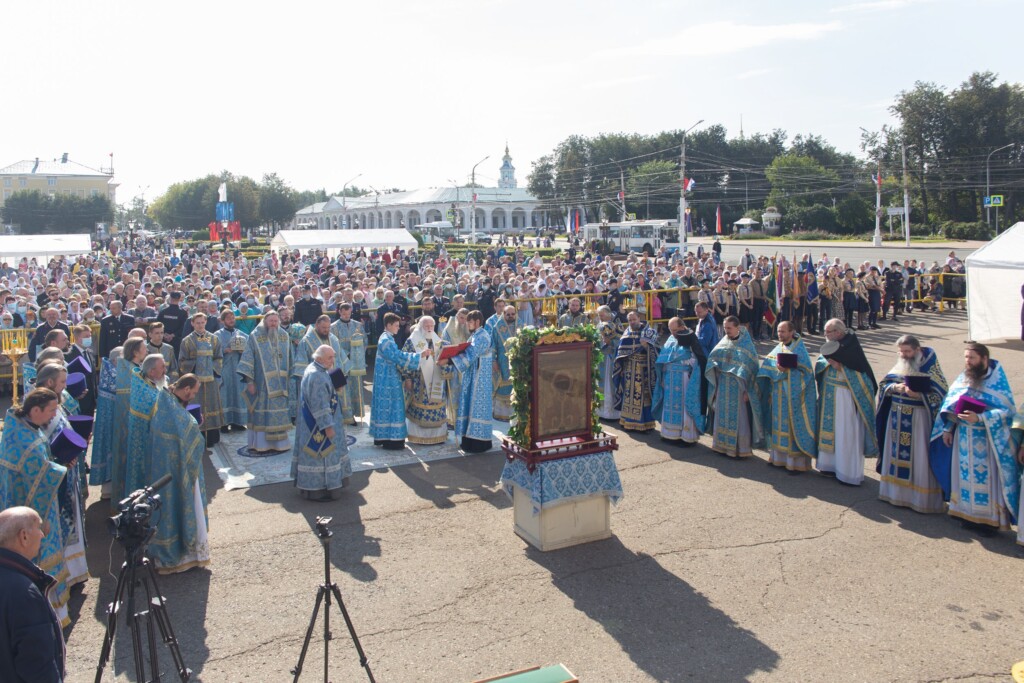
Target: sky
(412, 93)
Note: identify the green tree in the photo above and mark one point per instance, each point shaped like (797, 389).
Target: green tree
(799, 181)
(36, 213)
(854, 215)
(653, 189)
(276, 203)
(27, 209)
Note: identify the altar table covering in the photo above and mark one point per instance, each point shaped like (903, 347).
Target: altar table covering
(564, 480)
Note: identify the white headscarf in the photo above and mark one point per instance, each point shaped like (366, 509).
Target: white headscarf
(420, 341)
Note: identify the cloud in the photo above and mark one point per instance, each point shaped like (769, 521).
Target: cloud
(617, 82)
(878, 5)
(753, 73)
(724, 37)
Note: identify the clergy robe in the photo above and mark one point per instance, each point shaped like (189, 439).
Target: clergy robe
(304, 356)
(352, 336)
(502, 379)
(176, 447)
(170, 358)
(204, 357)
(731, 372)
(426, 411)
(232, 401)
(142, 404)
(846, 414)
(569, 319)
(452, 336)
(319, 462)
(903, 427)
(789, 407)
(296, 331)
(1017, 439)
(609, 333)
(29, 477)
(103, 427)
(266, 362)
(119, 441)
(387, 414)
(70, 500)
(637, 375)
(676, 399)
(979, 473)
(475, 410)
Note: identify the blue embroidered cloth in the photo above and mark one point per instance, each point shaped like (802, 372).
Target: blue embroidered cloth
(564, 480)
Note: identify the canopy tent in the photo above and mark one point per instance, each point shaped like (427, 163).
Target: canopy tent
(746, 221)
(333, 241)
(995, 273)
(13, 248)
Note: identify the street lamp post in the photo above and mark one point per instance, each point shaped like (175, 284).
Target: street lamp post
(455, 207)
(906, 197)
(988, 209)
(682, 184)
(344, 204)
(877, 239)
(472, 219)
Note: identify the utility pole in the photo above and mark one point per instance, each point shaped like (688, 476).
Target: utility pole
(988, 193)
(682, 184)
(622, 191)
(873, 137)
(472, 181)
(906, 198)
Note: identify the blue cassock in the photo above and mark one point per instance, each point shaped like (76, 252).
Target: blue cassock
(103, 428)
(895, 411)
(476, 401)
(142, 406)
(232, 403)
(387, 413)
(973, 442)
(732, 369)
(789, 401)
(861, 387)
(675, 365)
(119, 442)
(352, 338)
(320, 462)
(176, 447)
(266, 362)
(29, 477)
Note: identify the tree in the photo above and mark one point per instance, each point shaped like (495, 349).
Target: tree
(653, 187)
(799, 181)
(854, 215)
(276, 205)
(36, 213)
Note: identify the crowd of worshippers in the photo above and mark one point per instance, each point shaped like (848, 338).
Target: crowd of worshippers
(940, 447)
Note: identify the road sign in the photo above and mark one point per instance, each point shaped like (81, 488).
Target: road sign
(451, 215)
(630, 216)
(894, 210)
(996, 200)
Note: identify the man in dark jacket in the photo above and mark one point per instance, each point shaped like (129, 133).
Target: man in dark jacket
(308, 309)
(49, 324)
(114, 329)
(33, 648)
(174, 318)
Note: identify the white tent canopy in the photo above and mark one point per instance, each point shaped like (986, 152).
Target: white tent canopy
(42, 247)
(995, 274)
(333, 241)
(746, 221)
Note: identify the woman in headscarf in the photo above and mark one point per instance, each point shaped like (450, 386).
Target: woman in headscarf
(456, 331)
(426, 410)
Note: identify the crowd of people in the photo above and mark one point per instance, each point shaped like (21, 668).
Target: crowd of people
(193, 343)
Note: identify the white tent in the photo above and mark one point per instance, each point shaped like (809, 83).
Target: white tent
(333, 241)
(42, 247)
(995, 274)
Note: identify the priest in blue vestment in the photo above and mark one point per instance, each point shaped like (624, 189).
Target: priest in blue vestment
(903, 424)
(474, 424)
(29, 477)
(201, 354)
(504, 329)
(972, 452)
(103, 428)
(636, 355)
(319, 334)
(456, 331)
(733, 401)
(426, 388)
(142, 404)
(232, 343)
(352, 336)
(608, 331)
(320, 462)
(134, 351)
(265, 369)
(387, 414)
(789, 402)
(846, 422)
(1017, 445)
(676, 400)
(176, 448)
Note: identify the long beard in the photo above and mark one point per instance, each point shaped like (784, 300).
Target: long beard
(975, 375)
(907, 367)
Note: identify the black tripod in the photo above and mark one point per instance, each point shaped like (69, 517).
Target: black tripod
(132, 527)
(323, 595)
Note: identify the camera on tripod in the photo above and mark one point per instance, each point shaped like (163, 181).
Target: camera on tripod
(322, 524)
(131, 523)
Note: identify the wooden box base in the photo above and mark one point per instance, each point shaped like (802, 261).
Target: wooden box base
(561, 526)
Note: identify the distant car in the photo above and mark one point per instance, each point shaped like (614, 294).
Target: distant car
(476, 238)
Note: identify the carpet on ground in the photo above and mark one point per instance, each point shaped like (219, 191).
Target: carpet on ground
(238, 470)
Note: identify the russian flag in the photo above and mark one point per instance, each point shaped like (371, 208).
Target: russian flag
(688, 184)
(718, 219)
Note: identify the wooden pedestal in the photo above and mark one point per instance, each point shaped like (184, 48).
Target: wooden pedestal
(560, 526)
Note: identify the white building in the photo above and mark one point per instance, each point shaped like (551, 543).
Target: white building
(498, 209)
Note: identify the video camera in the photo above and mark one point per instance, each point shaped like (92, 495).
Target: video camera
(131, 524)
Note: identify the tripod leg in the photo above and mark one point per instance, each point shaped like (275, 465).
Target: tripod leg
(134, 625)
(363, 661)
(112, 609)
(158, 614)
(327, 631)
(309, 634)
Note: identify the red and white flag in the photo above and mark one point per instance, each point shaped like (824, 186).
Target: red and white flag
(688, 184)
(718, 219)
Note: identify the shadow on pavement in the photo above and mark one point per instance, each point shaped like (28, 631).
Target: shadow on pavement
(440, 481)
(667, 628)
(350, 545)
